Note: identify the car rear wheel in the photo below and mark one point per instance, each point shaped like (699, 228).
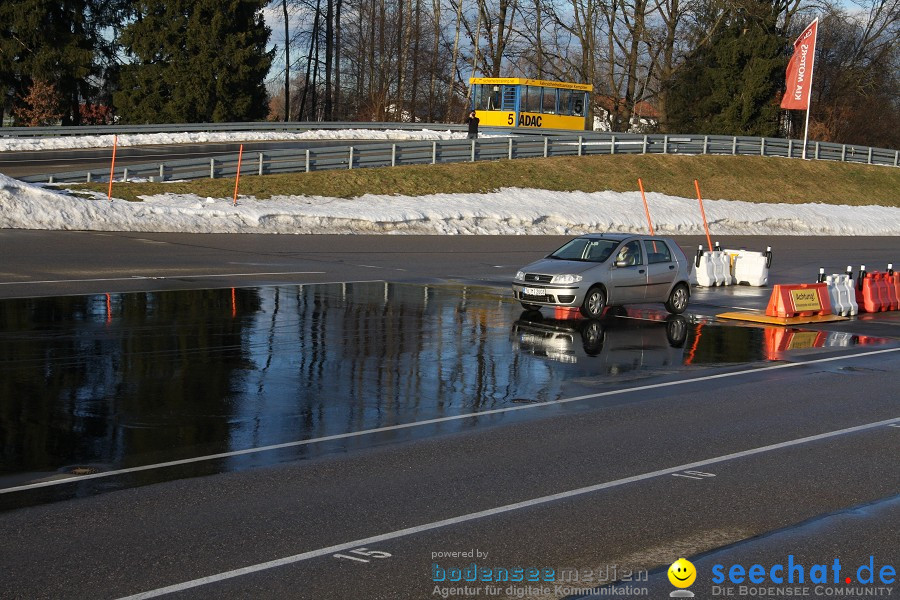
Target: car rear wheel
(530, 306)
(678, 299)
(594, 302)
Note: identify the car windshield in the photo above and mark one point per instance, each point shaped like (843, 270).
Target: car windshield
(586, 249)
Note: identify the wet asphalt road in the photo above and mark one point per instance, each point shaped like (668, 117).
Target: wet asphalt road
(628, 474)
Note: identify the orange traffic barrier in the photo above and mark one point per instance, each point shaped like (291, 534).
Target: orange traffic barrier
(894, 280)
(802, 300)
(890, 290)
(873, 295)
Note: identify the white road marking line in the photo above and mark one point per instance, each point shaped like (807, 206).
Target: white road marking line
(491, 512)
(496, 411)
(132, 277)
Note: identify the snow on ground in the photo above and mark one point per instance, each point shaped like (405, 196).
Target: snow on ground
(146, 139)
(507, 211)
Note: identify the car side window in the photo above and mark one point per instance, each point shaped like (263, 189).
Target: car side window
(657, 252)
(630, 254)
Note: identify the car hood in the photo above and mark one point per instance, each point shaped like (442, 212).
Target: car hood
(552, 266)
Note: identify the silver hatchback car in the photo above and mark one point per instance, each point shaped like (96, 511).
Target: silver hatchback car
(594, 271)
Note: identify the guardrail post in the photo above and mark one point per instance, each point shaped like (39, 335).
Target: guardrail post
(434, 153)
(897, 158)
(50, 179)
(546, 147)
(645, 145)
(870, 155)
(790, 148)
(762, 146)
(843, 152)
(393, 155)
(125, 174)
(88, 180)
(734, 146)
(261, 163)
(473, 151)
(580, 142)
(212, 168)
(612, 144)
(817, 150)
(350, 162)
(705, 143)
(307, 160)
(162, 171)
(665, 144)
(510, 148)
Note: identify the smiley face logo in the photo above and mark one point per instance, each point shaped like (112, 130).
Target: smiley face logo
(682, 573)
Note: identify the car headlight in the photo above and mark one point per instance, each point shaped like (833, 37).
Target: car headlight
(520, 276)
(566, 279)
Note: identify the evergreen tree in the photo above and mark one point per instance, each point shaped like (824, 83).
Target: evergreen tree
(195, 61)
(52, 42)
(732, 85)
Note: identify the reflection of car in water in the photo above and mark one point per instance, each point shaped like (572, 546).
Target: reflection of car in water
(619, 343)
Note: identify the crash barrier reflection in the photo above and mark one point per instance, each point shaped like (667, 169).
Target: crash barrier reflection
(780, 340)
(730, 267)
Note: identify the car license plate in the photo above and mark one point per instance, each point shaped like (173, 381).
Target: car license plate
(528, 291)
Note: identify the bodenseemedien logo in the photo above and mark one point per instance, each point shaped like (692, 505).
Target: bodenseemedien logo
(682, 574)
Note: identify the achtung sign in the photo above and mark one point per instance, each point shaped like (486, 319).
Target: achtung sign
(805, 300)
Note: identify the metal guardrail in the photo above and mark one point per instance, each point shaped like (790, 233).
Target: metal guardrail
(293, 126)
(496, 148)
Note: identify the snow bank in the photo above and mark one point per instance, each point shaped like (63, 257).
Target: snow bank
(146, 139)
(507, 211)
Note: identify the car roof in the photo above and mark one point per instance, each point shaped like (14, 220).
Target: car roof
(618, 237)
(609, 236)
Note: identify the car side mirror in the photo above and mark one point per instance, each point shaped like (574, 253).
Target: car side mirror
(621, 263)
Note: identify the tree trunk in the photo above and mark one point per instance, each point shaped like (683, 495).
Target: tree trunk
(415, 67)
(436, 7)
(287, 64)
(337, 60)
(453, 62)
(401, 60)
(329, 51)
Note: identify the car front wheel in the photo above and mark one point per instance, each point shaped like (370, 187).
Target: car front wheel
(594, 303)
(678, 299)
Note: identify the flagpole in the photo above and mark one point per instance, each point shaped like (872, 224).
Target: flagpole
(812, 70)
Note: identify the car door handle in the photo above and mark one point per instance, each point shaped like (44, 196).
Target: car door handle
(641, 271)
(671, 267)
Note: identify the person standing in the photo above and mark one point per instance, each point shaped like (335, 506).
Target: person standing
(472, 122)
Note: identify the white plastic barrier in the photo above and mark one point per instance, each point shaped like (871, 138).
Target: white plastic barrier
(839, 339)
(750, 268)
(706, 273)
(842, 295)
(712, 268)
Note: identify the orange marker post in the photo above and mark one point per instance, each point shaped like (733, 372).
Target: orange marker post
(646, 208)
(112, 167)
(703, 214)
(238, 178)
